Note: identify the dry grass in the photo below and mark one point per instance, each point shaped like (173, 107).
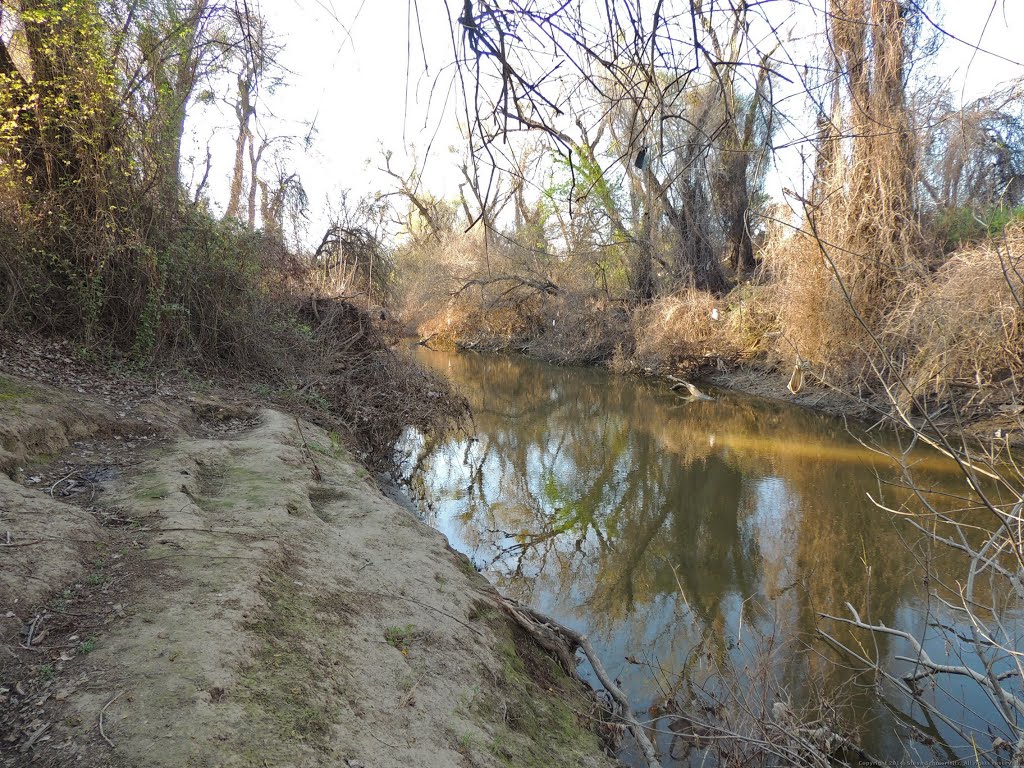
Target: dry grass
(817, 324)
(958, 326)
(694, 329)
(964, 325)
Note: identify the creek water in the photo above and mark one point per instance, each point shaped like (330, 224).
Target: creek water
(696, 543)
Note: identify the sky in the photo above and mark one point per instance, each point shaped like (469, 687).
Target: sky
(357, 84)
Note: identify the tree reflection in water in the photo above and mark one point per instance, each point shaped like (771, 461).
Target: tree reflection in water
(666, 529)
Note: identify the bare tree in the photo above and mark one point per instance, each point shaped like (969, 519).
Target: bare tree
(973, 157)
(257, 71)
(436, 218)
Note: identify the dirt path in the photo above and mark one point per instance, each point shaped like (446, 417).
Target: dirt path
(205, 585)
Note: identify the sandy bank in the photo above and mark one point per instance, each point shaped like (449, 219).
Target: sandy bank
(204, 584)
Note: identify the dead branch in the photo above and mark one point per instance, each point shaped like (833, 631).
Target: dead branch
(540, 286)
(308, 454)
(922, 658)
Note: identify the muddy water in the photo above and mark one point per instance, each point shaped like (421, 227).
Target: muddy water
(695, 542)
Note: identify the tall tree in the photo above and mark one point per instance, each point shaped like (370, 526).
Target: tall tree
(256, 71)
(178, 42)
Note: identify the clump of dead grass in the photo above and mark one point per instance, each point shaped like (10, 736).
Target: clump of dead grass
(581, 328)
(693, 329)
(817, 322)
(963, 325)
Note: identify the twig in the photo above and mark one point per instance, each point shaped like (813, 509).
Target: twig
(66, 477)
(412, 600)
(20, 544)
(306, 453)
(210, 557)
(241, 534)
(32, 629)
(115, 697)
(34, 738)
(390, 746)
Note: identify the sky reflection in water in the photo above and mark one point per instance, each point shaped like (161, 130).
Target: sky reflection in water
(686, 536)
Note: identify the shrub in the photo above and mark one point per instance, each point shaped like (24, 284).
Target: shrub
(953, 228)
(964, 325)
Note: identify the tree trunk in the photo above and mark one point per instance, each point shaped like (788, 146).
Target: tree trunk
(643, 275)
(254, 164)
(735, 203)
(174, 82)
(244, 112)
(695, 260)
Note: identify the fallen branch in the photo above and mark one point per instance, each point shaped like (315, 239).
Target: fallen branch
(544, 286)
(425, 342)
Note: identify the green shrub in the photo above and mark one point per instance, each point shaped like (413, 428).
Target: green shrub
(953, 228)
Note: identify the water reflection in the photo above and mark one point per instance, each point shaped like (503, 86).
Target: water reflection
(681, 532)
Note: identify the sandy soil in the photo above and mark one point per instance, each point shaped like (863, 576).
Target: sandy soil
(198, 583)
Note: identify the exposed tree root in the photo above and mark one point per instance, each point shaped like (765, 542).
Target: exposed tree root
(563, 642)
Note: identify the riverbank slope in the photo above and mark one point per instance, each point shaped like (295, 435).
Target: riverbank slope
(193, 581)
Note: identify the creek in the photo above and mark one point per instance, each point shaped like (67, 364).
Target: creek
(696, 543)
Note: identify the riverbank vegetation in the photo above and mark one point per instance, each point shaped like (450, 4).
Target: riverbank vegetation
(657, 190)
(103, 243)
(628, 201)
(647, 236)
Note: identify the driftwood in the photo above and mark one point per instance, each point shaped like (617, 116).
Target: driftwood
(563, 642)
(695, 393)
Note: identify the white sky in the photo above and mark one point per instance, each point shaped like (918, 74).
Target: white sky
(348, 62)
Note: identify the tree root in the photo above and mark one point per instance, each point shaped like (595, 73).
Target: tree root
(562, 642)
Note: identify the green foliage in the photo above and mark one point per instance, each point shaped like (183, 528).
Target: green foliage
(100, 246)
(400, 638)
(11, 391)
(953, 228)
(68, 169)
